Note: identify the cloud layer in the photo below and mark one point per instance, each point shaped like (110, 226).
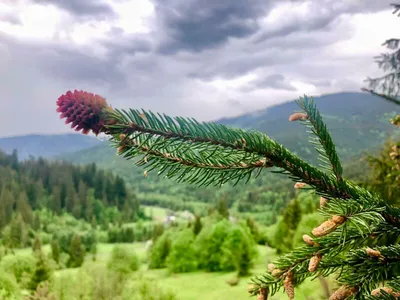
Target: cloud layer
(205, 59)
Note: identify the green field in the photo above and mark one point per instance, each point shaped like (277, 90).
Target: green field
(187, 286)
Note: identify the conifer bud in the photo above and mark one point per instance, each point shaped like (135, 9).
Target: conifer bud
(298, 116)
(338, 219)
(372, 252)
(145, 173)
(343, 292)
(121, 149)
(299, 185)
(310, 241)
(396, 121)
(325, 228)
(122, 136)
(261, 162)
(263, 294)
(328, 226)
(288, 284)
(250, 287)
(271, 267)
(143, 116)
(393, 155)
(314, 262)
(377, 292)
(276, 272)
(323, 202)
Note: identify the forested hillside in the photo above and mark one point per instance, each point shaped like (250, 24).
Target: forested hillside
(83, 191)
(356, 121)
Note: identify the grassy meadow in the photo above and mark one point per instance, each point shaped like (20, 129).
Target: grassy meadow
(188, 286)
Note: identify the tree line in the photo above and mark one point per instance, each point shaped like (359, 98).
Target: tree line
(84, 191)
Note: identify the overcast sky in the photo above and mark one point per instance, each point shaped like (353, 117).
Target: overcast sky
(199, 58)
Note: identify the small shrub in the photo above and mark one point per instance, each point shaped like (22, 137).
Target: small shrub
(239, 251)
(76, 252)
(209, 245)
(160, 251)
(43, 272)
(8, 287)
(146, 289)
(42, 293)
(55, 251)
(122, 261)
(182, 257)
(21, 266)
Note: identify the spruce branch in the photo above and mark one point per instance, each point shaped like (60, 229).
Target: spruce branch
(384, 96)
(362, 225)
(200, 166)
(388, 86)
(188, 133)
(315, 123)
(207, 139)
(392, 43)
(396, 9)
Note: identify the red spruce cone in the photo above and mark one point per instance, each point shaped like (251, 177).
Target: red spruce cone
(83, 110)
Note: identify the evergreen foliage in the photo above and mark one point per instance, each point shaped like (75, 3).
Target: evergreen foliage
(83, 191)
(42, 293)
(55, 251)
(385, 177)
(221, 245)
(36, 222)
(20, 266)
(76, 252)
(42, 273)
(37, 245)
(160, 251)
(17, 236)
(122, 261)
(8, 287)
(197, 226)
(182, 257)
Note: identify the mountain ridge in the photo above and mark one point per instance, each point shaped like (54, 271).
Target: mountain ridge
(46, 145)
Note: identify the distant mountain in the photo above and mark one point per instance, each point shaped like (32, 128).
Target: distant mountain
(46, 146)
(356, 121)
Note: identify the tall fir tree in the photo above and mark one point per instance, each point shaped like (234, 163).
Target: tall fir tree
(197, 225)
(37, 244)
(76, 252)
(55, 250)
(42, 272)
(83, 199)
(18, 233)
(222, 207)
(24, 208)
(36, 225)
